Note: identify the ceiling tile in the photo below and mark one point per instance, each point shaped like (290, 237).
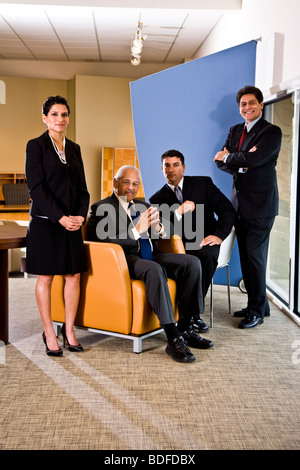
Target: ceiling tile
(78, 33)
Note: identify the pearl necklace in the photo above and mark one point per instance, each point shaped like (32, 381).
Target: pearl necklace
(60, 153)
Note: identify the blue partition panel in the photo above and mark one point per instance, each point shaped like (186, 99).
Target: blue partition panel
(190, 108)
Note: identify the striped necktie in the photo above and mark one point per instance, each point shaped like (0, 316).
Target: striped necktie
(178, 193)
(145, 245)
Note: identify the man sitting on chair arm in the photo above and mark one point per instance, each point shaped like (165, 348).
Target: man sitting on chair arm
(191, 192)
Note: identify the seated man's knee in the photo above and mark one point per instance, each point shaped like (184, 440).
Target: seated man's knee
(209, 253)
(156, 270)
(193, 263)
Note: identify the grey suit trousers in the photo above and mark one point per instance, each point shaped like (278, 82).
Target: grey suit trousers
(185, 270)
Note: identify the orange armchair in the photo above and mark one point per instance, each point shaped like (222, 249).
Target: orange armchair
(110, 302)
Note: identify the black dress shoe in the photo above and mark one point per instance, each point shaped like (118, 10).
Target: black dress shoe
(199, 325)
(194, 340)
(179, 351)
(51, 352)
(70, 347)
(241, 313)
(251, 322)
(244, 312)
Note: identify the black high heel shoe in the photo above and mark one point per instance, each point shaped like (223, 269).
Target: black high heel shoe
(70, 347)
(51, 352)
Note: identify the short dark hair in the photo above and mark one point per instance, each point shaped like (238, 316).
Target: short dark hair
(173, 153)
(246, 90)
(51, 100)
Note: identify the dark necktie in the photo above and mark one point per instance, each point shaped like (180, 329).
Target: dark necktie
(178, 193)
(244, 133)
(145, 245)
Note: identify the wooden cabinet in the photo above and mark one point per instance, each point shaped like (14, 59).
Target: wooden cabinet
(10, 177)
(112, 160)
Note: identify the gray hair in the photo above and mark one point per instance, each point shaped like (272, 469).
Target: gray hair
(122, 170)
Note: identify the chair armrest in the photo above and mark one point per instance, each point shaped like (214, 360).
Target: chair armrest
(171, 245)
(105, 299)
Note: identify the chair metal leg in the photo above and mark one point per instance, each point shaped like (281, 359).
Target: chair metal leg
(211, 304)
(137, 345)
(211, 296)
(57, 327)
(228, 289)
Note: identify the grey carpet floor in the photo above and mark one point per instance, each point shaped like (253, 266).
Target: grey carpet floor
(243, 394)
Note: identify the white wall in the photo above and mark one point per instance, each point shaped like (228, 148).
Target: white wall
(276, 22)
(68, 70)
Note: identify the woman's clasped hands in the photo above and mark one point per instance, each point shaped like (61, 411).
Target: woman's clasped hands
(71, 222)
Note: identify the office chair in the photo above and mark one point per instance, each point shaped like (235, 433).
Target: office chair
(223, 261)
(110, 302)
(15, 194)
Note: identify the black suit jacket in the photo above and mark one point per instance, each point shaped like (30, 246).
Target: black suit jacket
(109, 222)
(255, 192)
(56, 189)
(201, 190)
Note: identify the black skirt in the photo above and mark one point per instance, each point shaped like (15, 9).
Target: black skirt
(51, 249)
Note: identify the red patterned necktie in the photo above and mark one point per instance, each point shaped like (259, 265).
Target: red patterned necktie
(242, 137)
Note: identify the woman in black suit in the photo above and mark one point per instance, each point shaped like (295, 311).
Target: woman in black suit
(60, 200)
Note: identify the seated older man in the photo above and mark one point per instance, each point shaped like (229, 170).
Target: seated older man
(136, 226)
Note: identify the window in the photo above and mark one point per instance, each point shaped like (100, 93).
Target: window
(282, 268)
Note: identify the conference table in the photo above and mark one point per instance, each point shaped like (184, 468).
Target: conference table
(11, 236)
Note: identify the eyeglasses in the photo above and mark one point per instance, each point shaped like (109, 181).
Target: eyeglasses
(135, 184)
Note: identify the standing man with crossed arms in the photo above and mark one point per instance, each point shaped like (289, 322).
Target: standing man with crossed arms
(250, 155)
